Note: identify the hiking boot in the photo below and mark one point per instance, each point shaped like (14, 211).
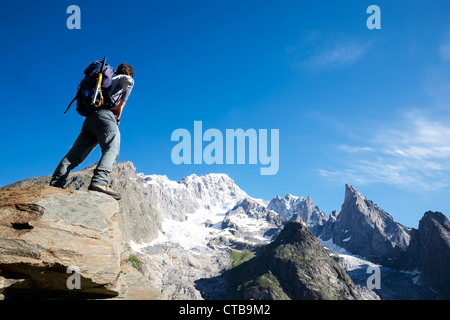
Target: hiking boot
(106, 190)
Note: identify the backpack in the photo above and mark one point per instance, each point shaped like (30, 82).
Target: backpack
(86, 104)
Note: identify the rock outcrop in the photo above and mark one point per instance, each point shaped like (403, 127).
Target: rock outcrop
(59, 244)
(47, 234)
(429, 252)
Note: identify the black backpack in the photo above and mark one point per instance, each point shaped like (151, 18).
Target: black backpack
(93, 90)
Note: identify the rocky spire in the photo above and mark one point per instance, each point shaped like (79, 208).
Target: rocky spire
(365, 229)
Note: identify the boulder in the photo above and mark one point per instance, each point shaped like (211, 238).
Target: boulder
(48, 235)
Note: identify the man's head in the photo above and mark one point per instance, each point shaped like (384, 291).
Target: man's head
(125, 68)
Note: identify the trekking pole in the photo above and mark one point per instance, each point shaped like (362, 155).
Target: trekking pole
(98, 86)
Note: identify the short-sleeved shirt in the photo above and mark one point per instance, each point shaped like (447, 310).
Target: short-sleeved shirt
(121, 86)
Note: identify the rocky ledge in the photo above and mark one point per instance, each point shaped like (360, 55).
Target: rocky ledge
(57, 243)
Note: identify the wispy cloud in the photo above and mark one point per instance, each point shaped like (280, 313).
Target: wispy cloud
(317, 50)
(414, 156)
(437, 80)
(339, 54)
(444, 51)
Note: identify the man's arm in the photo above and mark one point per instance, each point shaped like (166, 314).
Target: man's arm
(127, 83)
(118, 109)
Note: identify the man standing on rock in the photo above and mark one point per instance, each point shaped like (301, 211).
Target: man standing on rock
(99, 128)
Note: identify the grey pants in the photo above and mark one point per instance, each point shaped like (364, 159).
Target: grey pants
(98, 128)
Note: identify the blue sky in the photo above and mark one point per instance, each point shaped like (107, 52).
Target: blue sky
(353, 105)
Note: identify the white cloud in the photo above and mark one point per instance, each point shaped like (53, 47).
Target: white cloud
(353, 149)
(414, 156)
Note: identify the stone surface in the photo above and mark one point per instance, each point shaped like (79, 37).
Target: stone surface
(44, 231)
(136, 286)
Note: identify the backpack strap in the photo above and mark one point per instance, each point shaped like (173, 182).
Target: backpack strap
(71, 103)
(76, 96)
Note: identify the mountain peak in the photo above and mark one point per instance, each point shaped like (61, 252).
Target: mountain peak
(214, 189)
(436, 216)
(290, 197)
(365, 229)
(214, 177)
(351, 192)
(294, 266)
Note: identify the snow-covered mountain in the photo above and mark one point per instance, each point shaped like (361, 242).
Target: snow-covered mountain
(214, 189)
(251, 220)
(299, 209)
(193, 208)
(210, 215)
(201, 211)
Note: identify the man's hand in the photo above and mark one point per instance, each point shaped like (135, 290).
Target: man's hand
(118, 109)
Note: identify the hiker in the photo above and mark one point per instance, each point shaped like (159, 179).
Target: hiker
(100, 127)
